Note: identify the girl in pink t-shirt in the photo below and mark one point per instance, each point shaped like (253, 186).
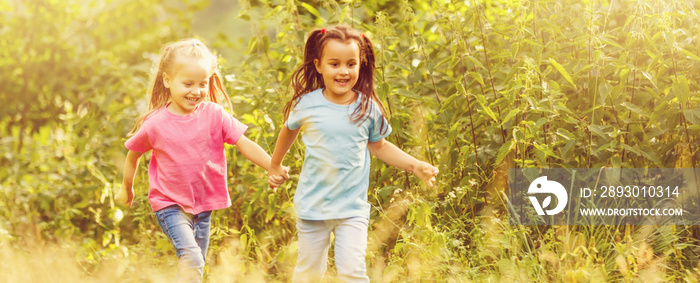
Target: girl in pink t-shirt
(186, 129)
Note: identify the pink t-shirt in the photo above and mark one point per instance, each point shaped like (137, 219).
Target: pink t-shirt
(188, 164)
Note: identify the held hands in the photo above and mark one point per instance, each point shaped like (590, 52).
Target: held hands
(277, 175)
(426, 172)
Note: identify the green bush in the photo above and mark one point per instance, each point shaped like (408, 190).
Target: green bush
(474, 87)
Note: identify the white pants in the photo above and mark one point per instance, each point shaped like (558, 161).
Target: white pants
(350, 249)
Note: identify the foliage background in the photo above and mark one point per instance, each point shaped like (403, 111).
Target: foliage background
(474, 87)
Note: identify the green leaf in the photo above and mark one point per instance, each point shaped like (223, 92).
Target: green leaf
(598, 130)
(611, 42)
(682, 89)
(245, 17)
(604, 92)
(692, 116)
(244, 240)
(266, 43)
(624, 74)
(690, 54)
(533, 43)
(632, 149)
(406, 93)
(653, 158)
(476, 62)
(635, 109)
(443, 61)
(252, 43)
(650, 78)
(311, 9)
(567, 148)
(565, 134)
(385, 192)
(604, 147)
(482, 101)
(562, 71)
(514, 49)
(463, 89)
(400, 66)
(449, 101)
(669, 38)
(510, 115)
(476, 76)
(504, 150)
(544, 149)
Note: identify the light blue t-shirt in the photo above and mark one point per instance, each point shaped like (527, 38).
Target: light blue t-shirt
(335, 176)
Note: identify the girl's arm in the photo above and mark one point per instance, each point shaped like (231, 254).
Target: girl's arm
(126, 193)
(392, 155)
(253, 152)
(256, 154)
(284, 142)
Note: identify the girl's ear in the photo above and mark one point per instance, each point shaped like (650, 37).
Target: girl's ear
(317, 65)
(166, 80)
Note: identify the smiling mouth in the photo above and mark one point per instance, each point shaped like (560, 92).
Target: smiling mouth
(192, 99)
(343, 81)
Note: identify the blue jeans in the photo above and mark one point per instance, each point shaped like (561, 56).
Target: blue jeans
(350, 249)
(189, 235)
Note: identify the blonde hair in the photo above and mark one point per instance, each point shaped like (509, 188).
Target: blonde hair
(159, 95)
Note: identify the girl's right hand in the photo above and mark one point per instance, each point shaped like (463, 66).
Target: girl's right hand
(124, 196)
(277, 175)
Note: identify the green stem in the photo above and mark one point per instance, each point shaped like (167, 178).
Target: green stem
(488, 68)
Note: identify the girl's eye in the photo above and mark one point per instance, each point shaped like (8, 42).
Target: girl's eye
(188, 84)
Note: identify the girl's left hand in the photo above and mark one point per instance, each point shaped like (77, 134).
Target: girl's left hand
(124, 196)
(426, 172)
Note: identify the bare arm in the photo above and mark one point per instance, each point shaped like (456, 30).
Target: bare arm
(256, 154)
(126, 193)
(253, 152)
(394, 156)
(284, 142)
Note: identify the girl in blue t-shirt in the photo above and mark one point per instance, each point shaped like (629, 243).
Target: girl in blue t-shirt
(344, 121)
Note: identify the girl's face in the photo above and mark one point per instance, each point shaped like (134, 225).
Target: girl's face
(339, 65)
(188, 83)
